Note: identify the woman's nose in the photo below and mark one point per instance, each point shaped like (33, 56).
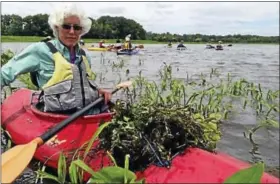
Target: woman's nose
(72, 29)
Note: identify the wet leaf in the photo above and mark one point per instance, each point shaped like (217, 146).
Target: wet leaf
(252, 174)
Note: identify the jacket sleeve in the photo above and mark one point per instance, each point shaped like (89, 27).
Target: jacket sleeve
(26, 61)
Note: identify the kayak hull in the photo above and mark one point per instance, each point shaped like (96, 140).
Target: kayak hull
(181, 48)
(24, 122)
(199, 166)
(209, 47)
(219, 48)
(129, 53)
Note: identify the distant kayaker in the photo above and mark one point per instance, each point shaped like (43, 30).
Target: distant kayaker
(127, 44)
(219, 46)
(220, 43)
(60, 68)
(102, 44)
(181, 44)
(169, 44)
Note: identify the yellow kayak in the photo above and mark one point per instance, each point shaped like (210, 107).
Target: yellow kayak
(97, 49)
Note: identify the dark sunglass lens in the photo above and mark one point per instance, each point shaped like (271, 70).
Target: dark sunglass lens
(65, 26)
(77, 28)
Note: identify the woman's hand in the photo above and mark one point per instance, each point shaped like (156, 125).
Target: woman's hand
(107, 95)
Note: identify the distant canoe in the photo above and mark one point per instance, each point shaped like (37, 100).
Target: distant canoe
(127, 52)
(209, 47)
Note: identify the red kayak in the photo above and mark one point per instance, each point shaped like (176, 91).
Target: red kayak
(23, 121)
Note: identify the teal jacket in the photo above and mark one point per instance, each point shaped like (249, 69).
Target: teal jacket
(36, 58)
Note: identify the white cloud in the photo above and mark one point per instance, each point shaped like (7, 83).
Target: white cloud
(112, 10)
(261, 18)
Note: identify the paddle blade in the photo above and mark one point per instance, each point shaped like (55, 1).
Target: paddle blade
(16, 159)
(124, 84)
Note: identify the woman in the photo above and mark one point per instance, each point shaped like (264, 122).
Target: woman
(59, 67)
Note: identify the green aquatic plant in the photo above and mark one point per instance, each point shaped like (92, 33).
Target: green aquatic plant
(252, 174)
(118, 64)
(6, 56)
(110, 174)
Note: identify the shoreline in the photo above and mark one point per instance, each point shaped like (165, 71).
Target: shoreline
(11, 39)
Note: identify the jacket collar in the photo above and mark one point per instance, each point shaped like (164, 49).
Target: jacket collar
(63, 49)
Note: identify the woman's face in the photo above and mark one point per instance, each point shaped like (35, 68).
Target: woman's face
(69, 32)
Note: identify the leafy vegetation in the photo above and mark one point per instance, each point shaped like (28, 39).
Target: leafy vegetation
(6, 56)
(107, 27)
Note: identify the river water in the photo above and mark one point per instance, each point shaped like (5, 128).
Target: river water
(255, 63)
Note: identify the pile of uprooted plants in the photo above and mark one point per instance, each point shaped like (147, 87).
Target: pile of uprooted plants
(158, 121)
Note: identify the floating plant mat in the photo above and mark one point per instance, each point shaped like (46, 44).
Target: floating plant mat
(157, 121)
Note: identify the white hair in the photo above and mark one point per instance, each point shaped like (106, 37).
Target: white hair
(57, 17)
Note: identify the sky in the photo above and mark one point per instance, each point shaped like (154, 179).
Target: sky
(210, 18)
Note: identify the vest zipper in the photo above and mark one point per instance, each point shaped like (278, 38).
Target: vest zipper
(82, 84)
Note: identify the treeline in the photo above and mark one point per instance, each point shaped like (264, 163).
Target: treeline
(107, 27)
(212, 38)
(104, 27)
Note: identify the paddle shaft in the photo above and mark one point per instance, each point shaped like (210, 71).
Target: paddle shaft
(50, 133)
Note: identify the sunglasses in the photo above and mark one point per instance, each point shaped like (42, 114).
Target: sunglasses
(68, 27)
